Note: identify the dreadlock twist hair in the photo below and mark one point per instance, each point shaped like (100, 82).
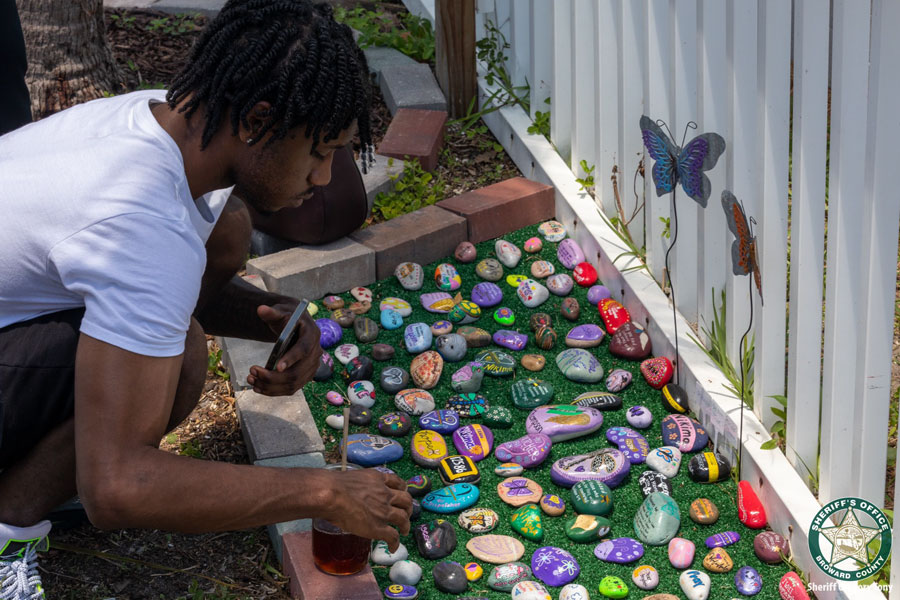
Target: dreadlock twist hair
(289, 53)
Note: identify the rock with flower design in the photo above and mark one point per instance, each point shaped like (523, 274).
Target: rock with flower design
(554, 566)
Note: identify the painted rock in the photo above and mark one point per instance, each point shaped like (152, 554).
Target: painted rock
(703, 511)
(530, 590)
(645, 577)
(504, 577)
(526, 521)
(405, 572)
(398, 591)
(439, 328)
(465, 252)
(596, 293)
(585, 336)
(508, 469)
(613, 587)
(489, 269)
(791, 587)
(554, 566)
(545, 338)
(553, 231)
(410, 275)
(569, 253)
(343, 317)
(496, 363)
(382, 352)
(579, 365)
(434, 539)
(382, 556)
(531, 293)
(517, 491)
(718, 560)
(533, 362)
(695, 584)
(661, 597)
(720, 540)
(621, 550)
(515, 280)
(394, 379)
(474, 571)
(394, 424)
(618, 380)
(475, 336)
(507, 253)
(428, 448)
(498, 417)
(468, 405)
(391, 319)
(418, 485)
(607, 465)
(335, 421)
(574, 591)
(334, 398)
(553, 505)
(651, 481)
(585, 274)
(360, 415)
(495, 549)
(369, 450)
(748, 581)
(684, 433)
(333, 302)
(512, 340)
(532, 245)
(437, 302)
(325, 369)
(541, 269)
(665, 460)
(709, 467)
(674, 398)
(599, 400)
(681, 552)
(359, 369)
(474, 441)
(528, 451)
(468, 378)
(365, 329)
(657, 371)
(657, 520)
(560, 284)
(562, 422)
(417, 337)
(614, 315)
(591, 498)
(631, 342)
(486, 294)
(750, 509)
(504, 316)
(478, 520)
(442, 421)
(587, 528)
(538, 320)
(400, 305)
(769, 546)
(632, 444)
(360, 308)
(452, 498)
(426, 368)
(464, 312)
(639, 417)
(329, 332)
(530, 393)
(450, 577)
(414, 401)
(451, 346)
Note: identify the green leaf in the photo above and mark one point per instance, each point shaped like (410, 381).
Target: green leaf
(770, 445)
(779, 413)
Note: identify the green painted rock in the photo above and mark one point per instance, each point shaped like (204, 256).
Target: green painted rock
(531, 393)
(504, 578)
(592, 497)
(527, 522)
(498, 417)
(587, 528)
(496, 363)
(613, 587)
(657, 520)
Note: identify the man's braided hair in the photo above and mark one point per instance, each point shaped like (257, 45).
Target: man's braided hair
(289, 53)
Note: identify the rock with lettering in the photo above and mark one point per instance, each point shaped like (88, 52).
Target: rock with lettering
(695, 584)
(489, 269)
(579, 365)
(434, 539)
(632, 444)
(507, 253)
(709, 467)
(414, 401)
(474, 441)
(410, 275)
(607, 465)
(770, 546)
(684, 433)
(452, 498)
(562, 422)
(657, 520)
(585, 336)
(531, 293)
(560, 284)
(441, 421)
(618, 380)
(447, 278)
(651, 481)
(569, 253)
(369, 450)
(750, 509)
(584, 274)
(361, 393)
(465, 252)
(428, 448)
(486, 294)
(504, 577)
(417, 337)
(614, 315)
(630, 341)
(542, 268)
(530, 393)
(529, 450)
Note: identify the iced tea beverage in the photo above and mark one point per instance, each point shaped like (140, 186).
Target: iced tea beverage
(335, 551)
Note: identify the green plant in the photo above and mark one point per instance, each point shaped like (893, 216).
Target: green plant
(408, 33)
(883, 577)
(176, 25)
(413, 189)
(667, 227)
(541, 123)
(777, 431)
(586, 182)
(214, 365)
(190, 448)
(122, 21)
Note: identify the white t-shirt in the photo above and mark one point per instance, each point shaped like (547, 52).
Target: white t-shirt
(95, 211)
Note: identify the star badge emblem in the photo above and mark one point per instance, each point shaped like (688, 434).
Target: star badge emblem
(849, 539)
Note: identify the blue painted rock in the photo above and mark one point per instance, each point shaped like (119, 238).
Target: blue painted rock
(464, 312)
(478, 520)
(596, 293)
(329, 332)
(417, 337)
(618, 380)
(486, 294)
(507, 253)
(512, 340)
(585, 336)
(489, 269)
(560, 284)
(414, 401)
(651, 481)
(428, 448)
(632, 444)
(435, 539)
(410, 275)
(401, 306)
(639, 417)
(504, 577)
(447, 278)
(553, 231)
(720, 540)
(684, 433)
(554, 566)
(531, 293)
(369, 450)
(458, 469)
(579, 365)
(394, 379)
(562, 422)
(398, 591)
(531, 393)
(437, 302)
(468, 378)
(569, 253)
(496, 363)
(442, 421)
(450, 499)
(619, 550)
(474, 441)
(665, 460)
(709, 467)
(451, 346)
(657, 520)
(391, 319)
(468, 405)
(607, 465)
(450, 577)
(599, 400)
(528, 451)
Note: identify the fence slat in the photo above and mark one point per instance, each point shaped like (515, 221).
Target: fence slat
(844, 283)
(811, 37)
(520, 40)
(633, 90)
(583, 74)
(541, 55)
(561, 113)
(609, 129)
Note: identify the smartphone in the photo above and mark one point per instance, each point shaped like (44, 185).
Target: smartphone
(288, 336)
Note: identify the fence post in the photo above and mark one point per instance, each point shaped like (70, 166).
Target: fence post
(454, 31)
(561, 114)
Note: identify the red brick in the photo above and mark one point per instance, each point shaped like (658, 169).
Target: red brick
(422, 236)
(309, 583)
(497, 209)
(415, 134)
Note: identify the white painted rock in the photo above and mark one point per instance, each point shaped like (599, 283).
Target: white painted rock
(346, 352)
(361, 393)
(406, 572)
(382, 556)
(507, 253)
(363, 294)
(665, 460)
(695, 584)
(645, 577)
(410, 275)
(530, 590)
(335, 421)
(574, 591)
(531, 293)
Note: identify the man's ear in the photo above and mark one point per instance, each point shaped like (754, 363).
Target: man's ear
(258, 117)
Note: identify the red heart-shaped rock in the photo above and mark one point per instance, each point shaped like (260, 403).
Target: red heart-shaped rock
(613, 314)
(585, 274)
(750, 509)
(657, 371)
(791, 587)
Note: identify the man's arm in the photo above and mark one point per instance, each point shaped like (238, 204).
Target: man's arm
(122, 405)
(232, 312)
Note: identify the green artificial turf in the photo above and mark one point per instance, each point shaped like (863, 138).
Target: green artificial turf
(627, 497)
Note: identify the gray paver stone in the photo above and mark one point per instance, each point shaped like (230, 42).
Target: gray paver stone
(239, 355)
(411, 86)
(378, 179)
(380, 58)
(276, 426)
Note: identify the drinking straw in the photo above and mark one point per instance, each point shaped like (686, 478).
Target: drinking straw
(344, 437)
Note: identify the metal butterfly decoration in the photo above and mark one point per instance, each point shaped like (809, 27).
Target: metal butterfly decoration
(685, 165)
(744, 259)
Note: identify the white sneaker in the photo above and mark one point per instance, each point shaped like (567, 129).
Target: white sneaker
(19, 578)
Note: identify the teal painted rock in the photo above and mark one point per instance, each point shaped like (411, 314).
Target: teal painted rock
(452, 498)
(613, 587)
(579, 365)
(657, 520)
(496, 363)
(498, 417)
(527, 522)
(531, 393)
(587, 528)
(504, 577)
(592, 497)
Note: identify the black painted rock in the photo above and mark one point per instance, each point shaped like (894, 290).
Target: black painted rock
(344, 317)
(359, 368)
(674, 398)
(539, 320)
(651, 481)
(326, 368)
(382, 352)
(394, 424)
(360, 415)
(416, 510)
(418, 485)
(450, 577)
(365, 329)
(709, 467)
(435, 539)
(631, 342)
(458, 469)
(598, 400)
(394, 379)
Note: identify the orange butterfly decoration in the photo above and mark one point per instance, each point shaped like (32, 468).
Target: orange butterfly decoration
(743, 250)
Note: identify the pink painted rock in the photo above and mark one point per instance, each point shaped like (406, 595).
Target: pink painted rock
(465, 252)
(681, 552)
(533, 245)
(529, 450)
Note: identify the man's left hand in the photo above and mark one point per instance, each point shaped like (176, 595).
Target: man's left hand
(298, 365)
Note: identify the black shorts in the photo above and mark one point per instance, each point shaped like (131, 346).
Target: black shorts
(37, 380)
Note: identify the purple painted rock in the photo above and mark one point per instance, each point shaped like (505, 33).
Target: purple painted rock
(631, 342)
(474, 441)
(619, 550)
(529, 450)
(441, 327)
(465, 252)
(569, 253)
(639, 417)
(607, 465)
(554, 566)
(632, 444)
(585, 336)
(748, 581)
(720, 540)
(487, 294)
(560, 284)
(329, 332)
(596, 293)
(513, 340)
(618, 380)
(443, 421)
(468, 378)
(684, 433)
(437, 302)
(562, 422)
